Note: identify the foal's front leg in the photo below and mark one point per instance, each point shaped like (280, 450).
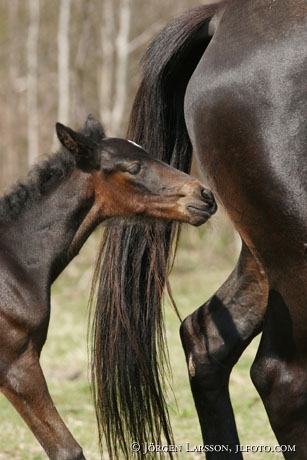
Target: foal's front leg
(23, 383)
(214, 337)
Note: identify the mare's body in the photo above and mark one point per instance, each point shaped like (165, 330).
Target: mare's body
(246, 112)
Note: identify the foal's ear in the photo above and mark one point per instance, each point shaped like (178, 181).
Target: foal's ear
(93, 127)
(80, 146)
(72, 141)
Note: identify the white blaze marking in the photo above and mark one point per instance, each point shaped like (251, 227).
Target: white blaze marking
(134, 143)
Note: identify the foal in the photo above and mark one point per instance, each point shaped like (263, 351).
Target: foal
(43, 225)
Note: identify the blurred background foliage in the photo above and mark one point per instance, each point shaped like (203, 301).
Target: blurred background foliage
(63, 59)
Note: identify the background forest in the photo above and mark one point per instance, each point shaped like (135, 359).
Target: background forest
(61, 60)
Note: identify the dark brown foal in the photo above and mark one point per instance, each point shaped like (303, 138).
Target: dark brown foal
(44, 223)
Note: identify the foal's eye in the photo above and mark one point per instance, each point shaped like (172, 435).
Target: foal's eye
(134, 169)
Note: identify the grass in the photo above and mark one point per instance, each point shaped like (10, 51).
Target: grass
(203, 262)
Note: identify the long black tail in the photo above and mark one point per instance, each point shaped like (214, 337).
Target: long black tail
(128, 347)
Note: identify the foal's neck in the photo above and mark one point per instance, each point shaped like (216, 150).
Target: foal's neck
(51, 230)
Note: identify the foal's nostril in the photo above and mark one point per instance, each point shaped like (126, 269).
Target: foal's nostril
(208, 197)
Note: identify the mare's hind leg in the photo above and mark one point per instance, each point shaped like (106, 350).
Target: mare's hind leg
(214, 337)
(23, 383)
(279, 371)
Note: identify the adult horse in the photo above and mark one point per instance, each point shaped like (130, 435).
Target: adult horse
(230, 82)
(44, 223)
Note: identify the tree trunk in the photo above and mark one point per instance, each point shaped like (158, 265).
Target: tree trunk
(122, 61)
(63, 62)
(106, 73)
(32, 64)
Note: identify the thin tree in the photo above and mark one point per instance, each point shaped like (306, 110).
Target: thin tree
(106, 74)
(32, 72)
(63, 62)
(122, 61)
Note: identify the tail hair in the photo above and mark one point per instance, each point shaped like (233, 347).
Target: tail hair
(129, 353)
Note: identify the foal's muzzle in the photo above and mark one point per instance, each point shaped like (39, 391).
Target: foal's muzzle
(202, 207)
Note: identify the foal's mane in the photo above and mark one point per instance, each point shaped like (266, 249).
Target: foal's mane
(41, 177)
(49, 172)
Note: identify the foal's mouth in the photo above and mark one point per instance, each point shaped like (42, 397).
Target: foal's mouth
(202, 212)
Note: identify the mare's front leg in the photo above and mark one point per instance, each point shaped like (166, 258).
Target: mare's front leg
(214, 337)
(23, 383)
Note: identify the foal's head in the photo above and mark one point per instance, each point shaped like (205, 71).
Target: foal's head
(129, 182)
